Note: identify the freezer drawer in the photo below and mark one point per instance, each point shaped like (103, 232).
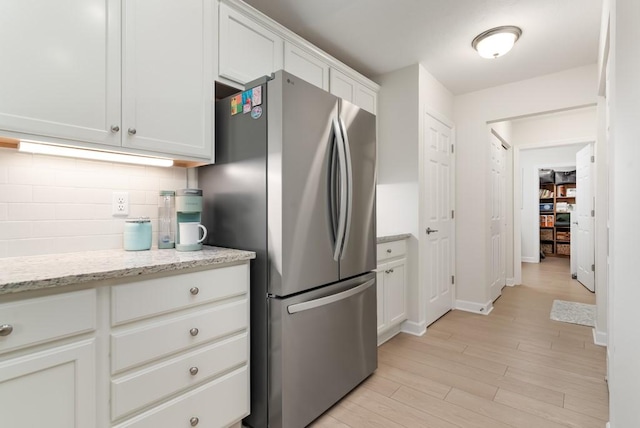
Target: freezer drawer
(323, 344)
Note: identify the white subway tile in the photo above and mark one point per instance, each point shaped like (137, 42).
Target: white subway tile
(16, 193)
(4, 248)
(4, 174)
(94, 196)
(15, 230)
(31, 211)
(53, 162)
(54, 194)
(138, 197)
(4, 212)
(30, 247)
(76, 211)
(12, 157)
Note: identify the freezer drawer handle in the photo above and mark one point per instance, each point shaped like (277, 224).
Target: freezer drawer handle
(311, 304)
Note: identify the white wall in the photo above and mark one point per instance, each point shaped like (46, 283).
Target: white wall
(560, 158)
(404, 96)
(559, 91)
(624, 296)
(576, 124)
(54, 205)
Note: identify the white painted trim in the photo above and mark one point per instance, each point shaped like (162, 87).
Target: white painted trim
(474, 307)
(529, 260)
(557, 143)
(511, 282)
(608, 425)
(388, 334)
(599, 337)
(414, 328)
(439, 117)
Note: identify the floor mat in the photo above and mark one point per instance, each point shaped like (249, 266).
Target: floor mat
(574, 312)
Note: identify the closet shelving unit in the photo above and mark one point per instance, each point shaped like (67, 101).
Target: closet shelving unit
(555, 236)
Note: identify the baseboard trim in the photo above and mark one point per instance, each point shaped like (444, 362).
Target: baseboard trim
(608, 425)
(388, 334)
(529, 260)
(414, 328)
(599, 337)
(477, 308)
(511, 282)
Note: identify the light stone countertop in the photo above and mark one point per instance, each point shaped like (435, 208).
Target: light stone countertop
(391, 238)
(57, 270)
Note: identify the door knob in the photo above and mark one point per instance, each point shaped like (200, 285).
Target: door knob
(430, 231)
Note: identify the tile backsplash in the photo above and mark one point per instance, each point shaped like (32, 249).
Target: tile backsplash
(54, 205)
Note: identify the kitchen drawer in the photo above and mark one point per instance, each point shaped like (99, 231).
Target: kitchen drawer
(390, 250)
(135, 391)
(152, 341)
(218, 403)
(44, 319)
(155, 296)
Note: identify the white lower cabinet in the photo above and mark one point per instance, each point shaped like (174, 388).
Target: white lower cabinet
(53, 386)
(391, 289)
(182, 359)
(92, 359)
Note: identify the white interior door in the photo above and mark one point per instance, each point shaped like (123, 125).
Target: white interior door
(498, 169)
(584, 202)
(437, 245)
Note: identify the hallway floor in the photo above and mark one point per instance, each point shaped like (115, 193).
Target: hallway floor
(512, 368)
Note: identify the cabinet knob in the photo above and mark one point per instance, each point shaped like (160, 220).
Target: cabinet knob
(193, 371)
(6, 329)
(194, 421)
(388, 271)
(194, 290)
(389, 250)
(115, 128)
(132, 131)
(194, 332)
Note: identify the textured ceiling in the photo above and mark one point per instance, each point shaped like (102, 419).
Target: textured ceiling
(378, 36)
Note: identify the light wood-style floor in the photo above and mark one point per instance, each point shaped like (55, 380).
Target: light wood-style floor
(512, 368)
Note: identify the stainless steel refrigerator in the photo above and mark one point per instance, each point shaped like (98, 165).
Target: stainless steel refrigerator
(294, 181)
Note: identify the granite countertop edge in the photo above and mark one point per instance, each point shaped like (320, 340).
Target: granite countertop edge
(19, 274)
(391, 238)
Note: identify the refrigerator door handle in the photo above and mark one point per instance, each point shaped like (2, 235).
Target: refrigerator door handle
(347, 150)
(342, 218)
(323, 301)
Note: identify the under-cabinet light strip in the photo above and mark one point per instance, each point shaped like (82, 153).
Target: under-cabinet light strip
(47, 149)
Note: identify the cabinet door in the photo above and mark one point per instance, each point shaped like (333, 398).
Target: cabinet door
(395, 292)
(60, 74)
(380, 298)
(53, 388)
(247, 49)
(168, 76)
(351, 90)
(306, 66)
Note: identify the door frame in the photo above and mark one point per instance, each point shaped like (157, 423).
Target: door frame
(422, 267)
(517, 196)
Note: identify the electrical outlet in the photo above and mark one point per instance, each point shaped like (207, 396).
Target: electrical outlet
(120, 204)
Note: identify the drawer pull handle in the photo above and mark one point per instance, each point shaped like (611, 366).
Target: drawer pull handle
(194, 290)
(194, 421)
(388, 271)
(389, 250)
(6, 329)
(194, 332)
(193, 371)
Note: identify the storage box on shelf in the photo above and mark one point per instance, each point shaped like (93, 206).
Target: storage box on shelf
(391, 288)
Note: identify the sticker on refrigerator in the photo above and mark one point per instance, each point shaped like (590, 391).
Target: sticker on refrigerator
(246, 101)
(256, 112)
(236, 104)
(256, 99)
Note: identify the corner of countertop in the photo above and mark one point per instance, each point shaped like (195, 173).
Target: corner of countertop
(391, 238)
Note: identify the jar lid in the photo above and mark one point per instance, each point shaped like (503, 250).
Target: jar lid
(138, 220)
(189, 192)
(167, 193)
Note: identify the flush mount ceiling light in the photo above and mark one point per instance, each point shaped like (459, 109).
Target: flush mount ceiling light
(496, 41)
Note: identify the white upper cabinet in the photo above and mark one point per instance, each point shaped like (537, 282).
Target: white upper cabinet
(351, 90)
(248, 50)
(306, 66)
(67, 58)
(168, 76)
(60, 74)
